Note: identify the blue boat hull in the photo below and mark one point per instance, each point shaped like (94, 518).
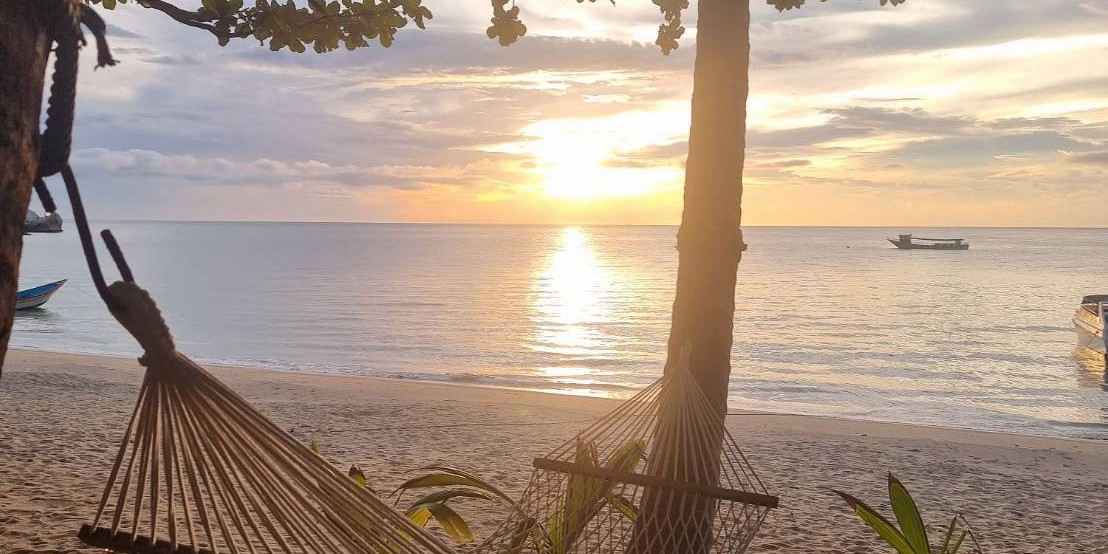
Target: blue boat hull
(37, 296)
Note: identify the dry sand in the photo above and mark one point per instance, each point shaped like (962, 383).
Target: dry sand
(61, 417)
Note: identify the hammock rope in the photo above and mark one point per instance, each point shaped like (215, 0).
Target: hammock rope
(660, 474)
(199, 470)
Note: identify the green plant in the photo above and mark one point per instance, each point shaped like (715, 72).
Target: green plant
(911, 536)
(450, 483)
(585, 497)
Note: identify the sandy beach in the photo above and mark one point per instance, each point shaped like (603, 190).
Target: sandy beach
(61, 417)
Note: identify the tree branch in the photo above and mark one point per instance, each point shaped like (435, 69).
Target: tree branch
(192, 19)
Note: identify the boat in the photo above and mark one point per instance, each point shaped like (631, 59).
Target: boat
(34, 223)
(1091, 320)
(908, 242)
(37, 296)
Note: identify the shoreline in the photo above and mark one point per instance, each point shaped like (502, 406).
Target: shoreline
(746, 412)
(61, 416)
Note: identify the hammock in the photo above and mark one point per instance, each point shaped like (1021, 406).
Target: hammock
(203, 469)
(649, 477)
(199, 470)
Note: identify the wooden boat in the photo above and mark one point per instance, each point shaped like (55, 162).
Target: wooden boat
(908, 242)
(1090, 321)
(37, 296)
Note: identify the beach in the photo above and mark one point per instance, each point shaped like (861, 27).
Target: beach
(62, 415)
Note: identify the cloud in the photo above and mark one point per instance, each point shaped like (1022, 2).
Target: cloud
(960, 97)
(1089, 158)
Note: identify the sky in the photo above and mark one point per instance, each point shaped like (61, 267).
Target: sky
(932, 113)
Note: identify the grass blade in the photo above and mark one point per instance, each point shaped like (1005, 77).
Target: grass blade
(948, 535)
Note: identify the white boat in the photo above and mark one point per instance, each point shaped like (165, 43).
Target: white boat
(1091, 320)
(34, 223)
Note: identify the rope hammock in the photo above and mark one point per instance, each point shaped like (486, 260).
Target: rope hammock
(649, 477)
(199, 470)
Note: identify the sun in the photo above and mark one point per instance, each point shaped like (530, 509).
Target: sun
(580, 160)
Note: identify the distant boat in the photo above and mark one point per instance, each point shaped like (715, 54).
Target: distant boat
(35, 297)
(908, 242)
(34, 223)
(1091, 320)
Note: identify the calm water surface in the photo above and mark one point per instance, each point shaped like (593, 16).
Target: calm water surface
(831, 321)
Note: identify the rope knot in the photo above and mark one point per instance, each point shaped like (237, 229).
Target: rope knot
(133, 307)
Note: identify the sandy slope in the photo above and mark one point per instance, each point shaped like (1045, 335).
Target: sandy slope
(61, 417)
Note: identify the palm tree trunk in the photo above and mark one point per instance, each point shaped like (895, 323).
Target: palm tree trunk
(23, 54)
(710, 245)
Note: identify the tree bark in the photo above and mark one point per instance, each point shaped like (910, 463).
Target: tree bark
(710, 246)
(709, 239)
(23, 54)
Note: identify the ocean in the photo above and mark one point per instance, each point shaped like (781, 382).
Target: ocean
(830, 321)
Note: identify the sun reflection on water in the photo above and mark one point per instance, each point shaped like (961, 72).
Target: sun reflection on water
(572, 294)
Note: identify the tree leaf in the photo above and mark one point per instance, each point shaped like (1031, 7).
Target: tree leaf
(314, 446)
(451, 522)
(439, 497)
(624, 506)
(445, 476)
(883, 527)
(907, 515)
(358, 477)
(418, 515)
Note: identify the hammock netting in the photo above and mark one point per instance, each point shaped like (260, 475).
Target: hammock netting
(660, 474)
(200, 470)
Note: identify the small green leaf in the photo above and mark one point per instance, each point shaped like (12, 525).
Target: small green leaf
(418, 515)
(439, 497)
(314, 446)
(907, 515)
(958, 545)
(358, 477)
(624, 506)
(451, 522)
(948, 535)
(883, 527)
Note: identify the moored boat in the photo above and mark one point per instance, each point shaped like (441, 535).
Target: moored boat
(1090, 322)
(908, 242)
(37, 296)
(34, 223)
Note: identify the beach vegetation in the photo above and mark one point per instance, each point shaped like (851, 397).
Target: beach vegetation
(583, 499)
(909, 534)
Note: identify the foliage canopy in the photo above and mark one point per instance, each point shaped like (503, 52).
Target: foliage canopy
(353, 24)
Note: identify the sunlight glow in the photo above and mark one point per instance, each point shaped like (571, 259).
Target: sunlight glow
(607, 157)
(570, 295)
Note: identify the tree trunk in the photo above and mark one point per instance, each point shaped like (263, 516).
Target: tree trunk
(23, 55)
(710, 246)
(709, 239)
